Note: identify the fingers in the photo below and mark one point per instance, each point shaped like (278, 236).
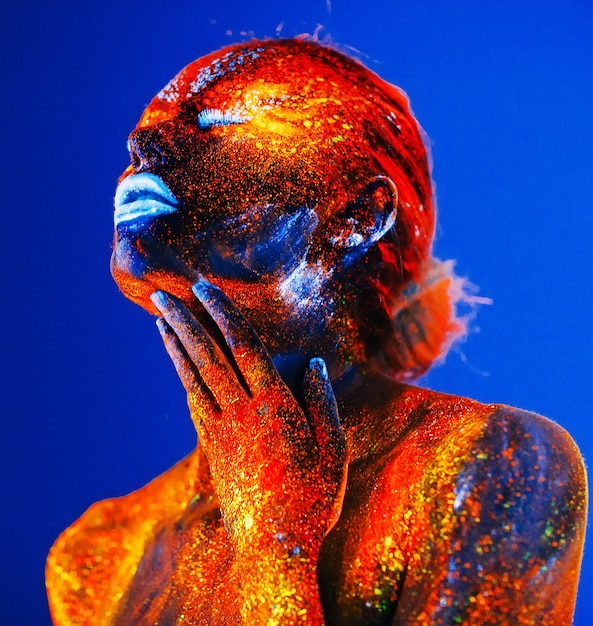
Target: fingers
(202, 352)
(182, 364)
(251, 357)
(322, 409)
(202, 403)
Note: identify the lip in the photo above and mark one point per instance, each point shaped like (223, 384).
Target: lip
(140, 196)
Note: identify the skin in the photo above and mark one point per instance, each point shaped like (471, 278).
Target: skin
(322, 489)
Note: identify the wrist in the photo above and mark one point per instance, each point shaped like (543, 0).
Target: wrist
(278, 583)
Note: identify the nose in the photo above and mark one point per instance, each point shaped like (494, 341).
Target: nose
(147, 149)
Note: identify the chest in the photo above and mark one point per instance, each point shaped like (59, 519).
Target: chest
(187, 573)
(362, 566)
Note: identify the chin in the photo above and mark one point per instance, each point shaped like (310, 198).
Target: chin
(137, 280)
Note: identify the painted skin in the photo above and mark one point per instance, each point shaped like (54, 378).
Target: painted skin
(277, 216)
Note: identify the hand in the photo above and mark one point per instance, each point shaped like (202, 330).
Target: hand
(279, 470)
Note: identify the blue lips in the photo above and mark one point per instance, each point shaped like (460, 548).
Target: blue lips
(141, 196)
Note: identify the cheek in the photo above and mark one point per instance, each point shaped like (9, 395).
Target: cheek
(260, 243)
(290, 304)
(303, 291)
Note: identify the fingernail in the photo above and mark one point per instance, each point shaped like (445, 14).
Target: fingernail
(319, 364)
(159, 299)
(202, 288)
(162, 326)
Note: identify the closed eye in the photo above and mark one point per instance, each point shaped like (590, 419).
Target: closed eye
(215, 117)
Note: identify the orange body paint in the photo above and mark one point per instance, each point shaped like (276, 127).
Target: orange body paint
(278, 217)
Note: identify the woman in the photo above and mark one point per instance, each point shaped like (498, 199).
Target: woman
(277, 217)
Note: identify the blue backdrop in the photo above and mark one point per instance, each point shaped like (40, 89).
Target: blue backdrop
(91, 404)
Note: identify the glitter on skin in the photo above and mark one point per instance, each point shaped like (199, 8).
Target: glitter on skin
(299, 253)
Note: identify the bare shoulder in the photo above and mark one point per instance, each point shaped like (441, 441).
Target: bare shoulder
(513, 464)
(458, 445)
(460, 512)
(507, 426)
(502, 511)
(453, 432)
(95, 559)
(535, 459)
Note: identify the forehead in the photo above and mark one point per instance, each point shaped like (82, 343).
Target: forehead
(293, 75)
(195, 79)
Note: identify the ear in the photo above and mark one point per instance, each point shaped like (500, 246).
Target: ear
(368, 218)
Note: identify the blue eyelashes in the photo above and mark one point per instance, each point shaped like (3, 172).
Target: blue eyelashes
(215, 117)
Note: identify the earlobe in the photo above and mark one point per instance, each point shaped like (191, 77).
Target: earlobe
(367, 219)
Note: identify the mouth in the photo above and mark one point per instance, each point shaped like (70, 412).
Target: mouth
(141, 196)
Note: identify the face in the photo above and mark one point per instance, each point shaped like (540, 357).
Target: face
(252, 171)
(225, 189)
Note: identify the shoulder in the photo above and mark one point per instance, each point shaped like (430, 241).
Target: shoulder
(532, 450)
(492, 473)
(518, 502)
(514, 461)
(500, 516)
(94, 560)
(453, 434)
(503, 422)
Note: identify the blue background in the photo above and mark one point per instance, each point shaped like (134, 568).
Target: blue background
(91, 405)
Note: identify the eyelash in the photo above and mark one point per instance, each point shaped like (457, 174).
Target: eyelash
(215, 117)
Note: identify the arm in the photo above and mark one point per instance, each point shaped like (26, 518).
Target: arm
(502, 543)
(278, 470)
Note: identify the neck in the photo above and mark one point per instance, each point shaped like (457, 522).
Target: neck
(292, 368)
